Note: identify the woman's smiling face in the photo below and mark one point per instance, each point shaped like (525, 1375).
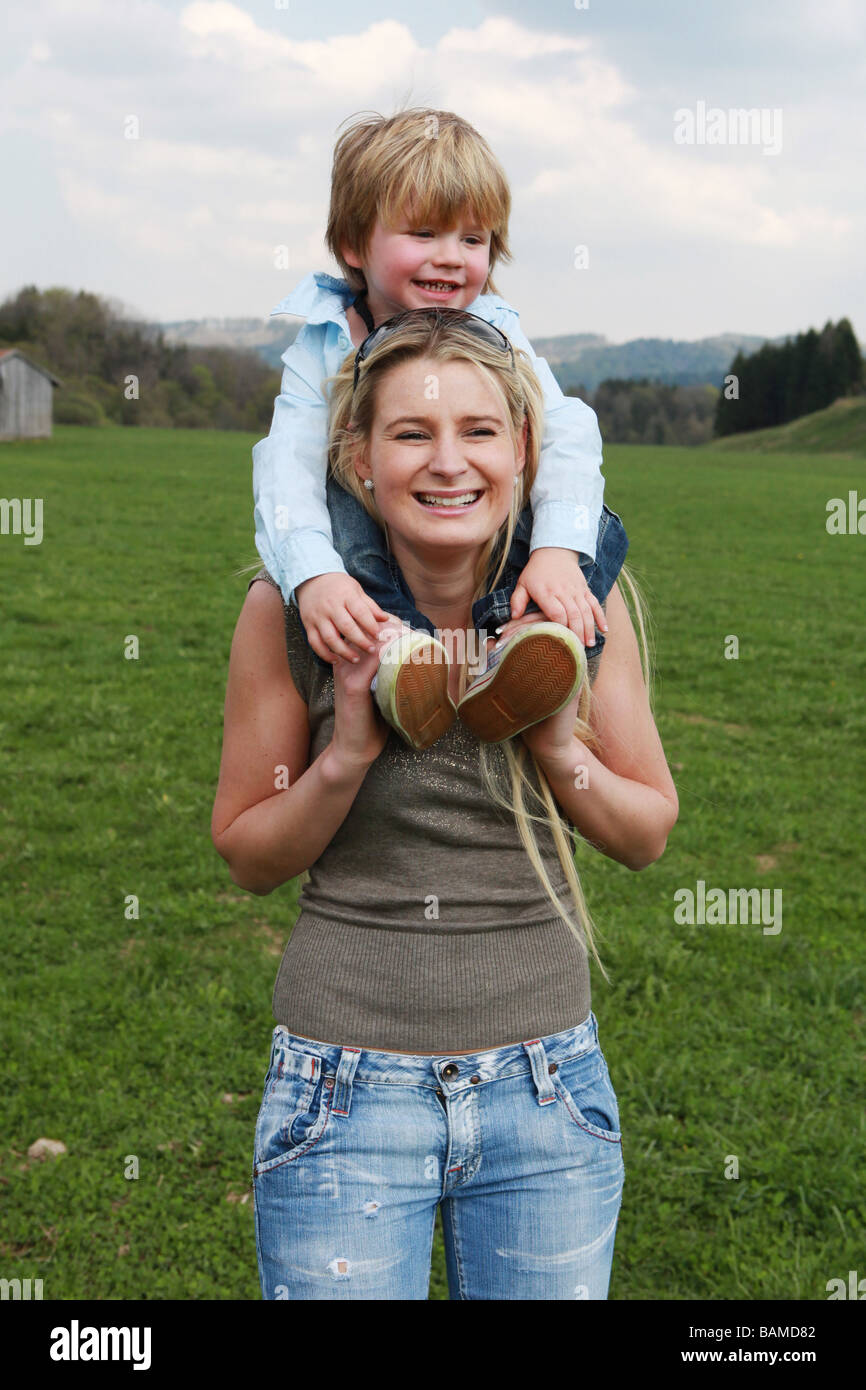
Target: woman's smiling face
(443, 469)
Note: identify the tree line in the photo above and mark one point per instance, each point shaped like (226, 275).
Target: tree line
(95, 349)
(781, 382)
(651, 412)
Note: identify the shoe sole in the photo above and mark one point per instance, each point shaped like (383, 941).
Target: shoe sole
(421, 703)
(538, 675)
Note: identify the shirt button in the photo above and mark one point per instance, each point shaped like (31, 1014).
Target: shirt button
(450, 1070)
(553, 1067)
(344, 341)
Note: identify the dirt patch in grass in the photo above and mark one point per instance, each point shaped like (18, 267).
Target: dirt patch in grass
(712, 723)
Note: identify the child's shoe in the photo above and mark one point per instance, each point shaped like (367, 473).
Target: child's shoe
(411, 688)
(532, 676)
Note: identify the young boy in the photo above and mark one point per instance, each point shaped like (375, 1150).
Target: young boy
(418, 218)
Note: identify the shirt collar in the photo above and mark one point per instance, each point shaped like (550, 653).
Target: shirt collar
(319, 298)
(322, 298)
(486, 304)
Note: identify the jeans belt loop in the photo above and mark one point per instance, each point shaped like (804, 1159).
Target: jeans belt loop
(349, 1059)
(540, 1074)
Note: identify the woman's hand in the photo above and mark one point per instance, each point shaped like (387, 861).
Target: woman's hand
(553, 740)
(619, 795)
(360, 732)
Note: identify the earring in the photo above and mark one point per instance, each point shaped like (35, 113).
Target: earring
(516, 479)
(368, 483)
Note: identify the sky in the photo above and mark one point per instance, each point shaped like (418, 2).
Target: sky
(614, 120)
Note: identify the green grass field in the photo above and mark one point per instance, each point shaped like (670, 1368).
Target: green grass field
(150, 1037)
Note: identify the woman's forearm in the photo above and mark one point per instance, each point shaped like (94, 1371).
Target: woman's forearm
(624, 819)
(279, 838)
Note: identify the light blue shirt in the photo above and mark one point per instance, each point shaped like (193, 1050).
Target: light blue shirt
(293, 529)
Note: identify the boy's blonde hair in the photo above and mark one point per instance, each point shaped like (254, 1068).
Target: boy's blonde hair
(442, 338)
(433, 162)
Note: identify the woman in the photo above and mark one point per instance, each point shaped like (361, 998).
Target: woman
(434, 1041)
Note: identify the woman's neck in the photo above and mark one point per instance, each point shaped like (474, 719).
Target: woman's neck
(442, 586)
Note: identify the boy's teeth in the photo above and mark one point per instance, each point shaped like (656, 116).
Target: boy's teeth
(438, 284)
(460, 501)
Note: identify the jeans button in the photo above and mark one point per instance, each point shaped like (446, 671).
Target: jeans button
(553, 1067)
(474, 1080)
(450, 1071)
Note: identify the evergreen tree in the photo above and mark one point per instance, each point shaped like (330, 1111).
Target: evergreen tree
(781, 382)
(849, 357)
(727, 408)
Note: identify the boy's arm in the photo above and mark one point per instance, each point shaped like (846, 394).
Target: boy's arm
(293, 528)
(569, 486)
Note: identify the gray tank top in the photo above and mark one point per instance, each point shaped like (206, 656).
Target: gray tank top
(423, 926)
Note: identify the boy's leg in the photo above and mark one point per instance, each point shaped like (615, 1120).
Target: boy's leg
(411, 685)
(540, 667)
(494, 609)
(363, 549)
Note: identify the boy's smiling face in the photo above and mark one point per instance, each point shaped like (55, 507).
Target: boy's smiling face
(413, 265)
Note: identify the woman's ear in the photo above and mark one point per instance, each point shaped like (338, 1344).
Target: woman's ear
(521, 445)
(360, 462)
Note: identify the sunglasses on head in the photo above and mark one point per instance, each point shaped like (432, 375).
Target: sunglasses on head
(478, 327)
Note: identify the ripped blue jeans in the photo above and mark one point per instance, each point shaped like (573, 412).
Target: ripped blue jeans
(355, 1149)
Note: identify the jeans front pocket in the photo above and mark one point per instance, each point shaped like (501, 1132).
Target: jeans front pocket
(294, 1110)
(584, 1086)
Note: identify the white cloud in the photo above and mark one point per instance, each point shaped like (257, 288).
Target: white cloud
(226, 34)
(238, 118)
(502, 37)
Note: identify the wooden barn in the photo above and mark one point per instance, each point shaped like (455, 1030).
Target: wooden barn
(26, 397)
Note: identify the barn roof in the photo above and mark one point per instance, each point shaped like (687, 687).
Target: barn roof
(7, 353)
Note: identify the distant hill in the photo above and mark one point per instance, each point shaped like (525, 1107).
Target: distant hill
(576, 359)
(267, 337)
(840, 429)
(568, 347)
(668, 360)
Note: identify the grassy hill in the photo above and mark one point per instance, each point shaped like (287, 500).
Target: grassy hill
(149, 1035)
(840, 429)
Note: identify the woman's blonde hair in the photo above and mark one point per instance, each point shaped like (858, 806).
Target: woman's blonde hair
(504, 767)
(433, 162)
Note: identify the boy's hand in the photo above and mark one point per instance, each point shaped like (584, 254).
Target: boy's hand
(334, 607)
(554, 579)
